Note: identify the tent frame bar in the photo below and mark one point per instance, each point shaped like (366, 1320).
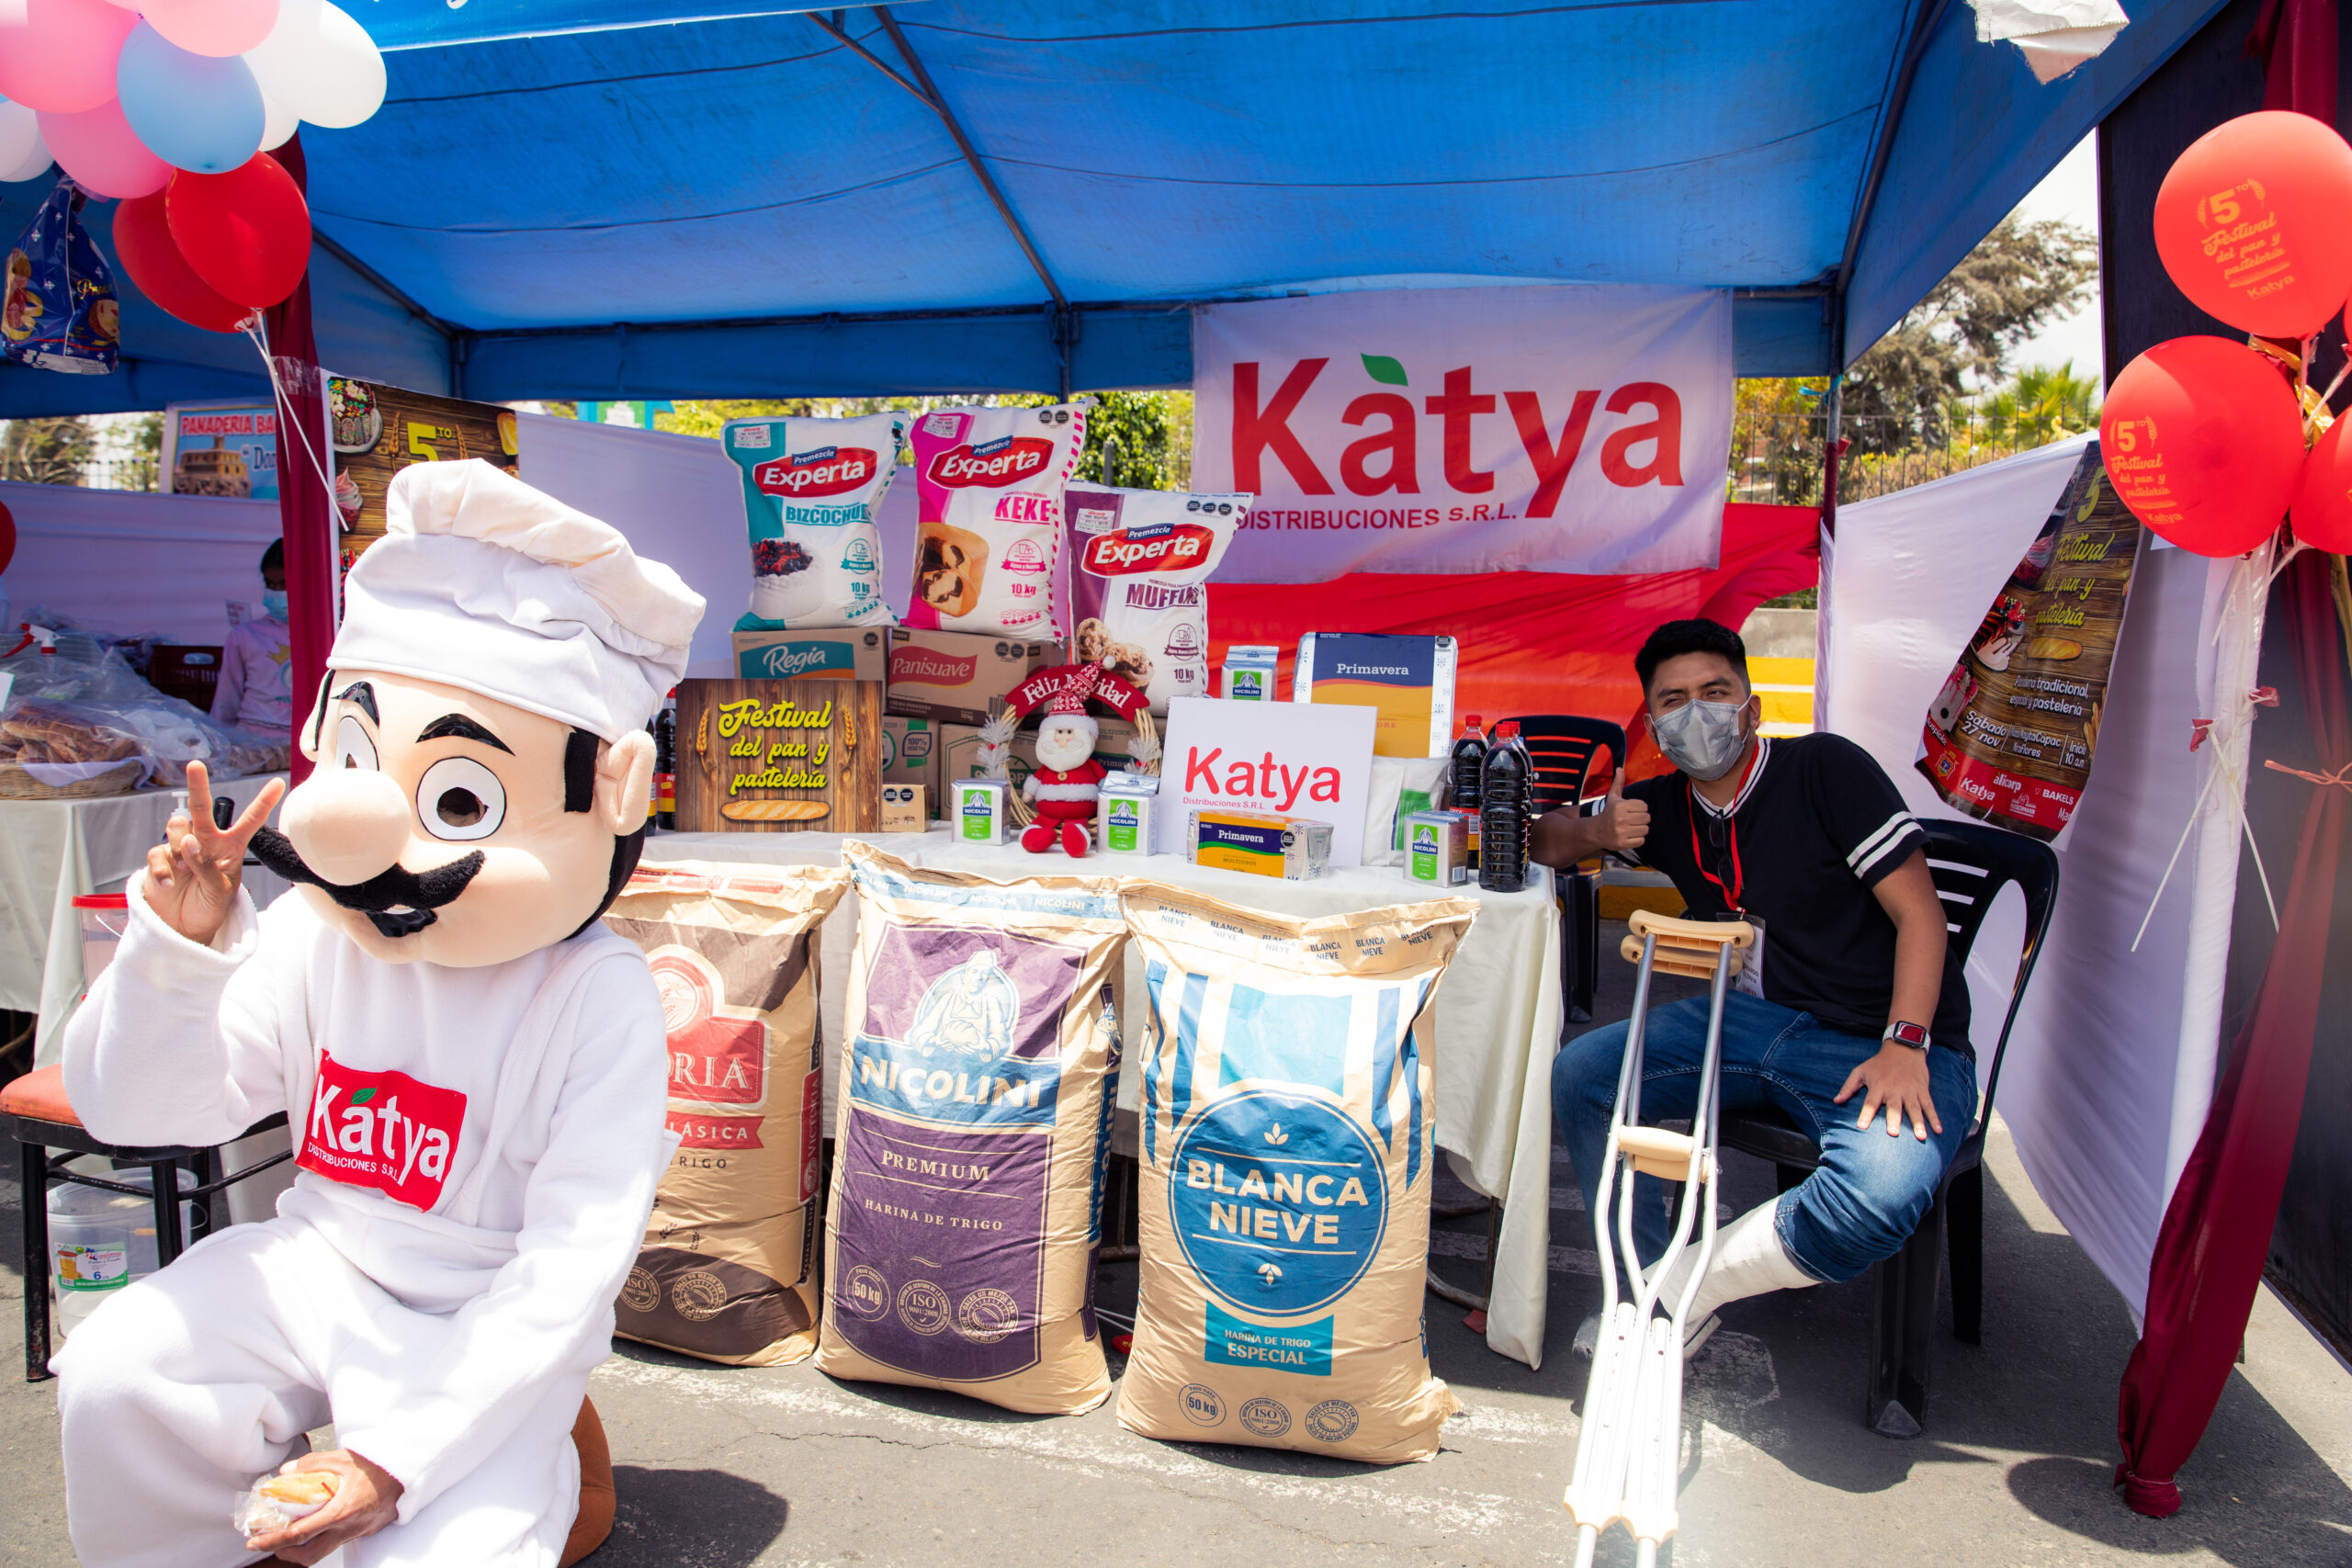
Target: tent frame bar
(1897, 100)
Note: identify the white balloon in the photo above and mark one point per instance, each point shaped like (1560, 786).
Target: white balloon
(277, 124)
(319, 63)
(23, 154)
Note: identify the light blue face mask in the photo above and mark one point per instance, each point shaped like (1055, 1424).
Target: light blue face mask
(1704, 739)
(273, 603)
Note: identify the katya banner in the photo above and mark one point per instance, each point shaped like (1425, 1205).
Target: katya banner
(1564, 429)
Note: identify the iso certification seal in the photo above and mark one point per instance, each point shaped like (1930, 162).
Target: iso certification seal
(1202, 1404)
(987, 1315)
(642, 1292)
(866, 1293)
(1267, 1417)
(1333, 1421)
(923, 1306)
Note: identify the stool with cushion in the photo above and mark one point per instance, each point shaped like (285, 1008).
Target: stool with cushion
(42, 1121)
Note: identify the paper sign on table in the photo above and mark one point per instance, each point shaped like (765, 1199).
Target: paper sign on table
(1289, 758)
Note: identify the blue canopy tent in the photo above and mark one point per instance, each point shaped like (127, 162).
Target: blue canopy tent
(587, 198)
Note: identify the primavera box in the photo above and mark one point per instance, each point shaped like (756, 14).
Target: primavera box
(1408, 680)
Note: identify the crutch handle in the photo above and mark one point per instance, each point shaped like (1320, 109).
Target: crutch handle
(1687, 947)
(1656, 1151)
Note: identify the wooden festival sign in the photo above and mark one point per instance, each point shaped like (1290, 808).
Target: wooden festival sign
(779, 756)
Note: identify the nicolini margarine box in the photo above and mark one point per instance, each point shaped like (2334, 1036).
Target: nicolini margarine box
(1409, 680)
(953, 676)
(860, 653)
(1292, 848)
(911, 753)
(1437, 849)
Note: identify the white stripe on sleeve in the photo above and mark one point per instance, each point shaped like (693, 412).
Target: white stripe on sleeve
(1884, 842)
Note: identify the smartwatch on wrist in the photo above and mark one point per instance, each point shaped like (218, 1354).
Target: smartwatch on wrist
(1909, 1034)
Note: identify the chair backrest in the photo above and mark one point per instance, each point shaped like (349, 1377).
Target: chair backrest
(1561, 747)
(1971, 864)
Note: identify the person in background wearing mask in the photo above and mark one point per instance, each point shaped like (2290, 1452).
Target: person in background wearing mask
(256, 690)
(1851, 1006)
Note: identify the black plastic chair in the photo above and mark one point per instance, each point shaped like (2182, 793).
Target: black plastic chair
(1970, 863)
(1565, 749)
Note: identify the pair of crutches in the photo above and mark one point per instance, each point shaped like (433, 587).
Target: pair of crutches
(1628, 1452)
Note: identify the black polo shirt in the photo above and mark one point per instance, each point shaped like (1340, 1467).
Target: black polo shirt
(1816, 826)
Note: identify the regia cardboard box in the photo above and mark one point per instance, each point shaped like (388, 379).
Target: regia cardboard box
(1408, 679)
(952, 677)
(860, 653)
(911, 753)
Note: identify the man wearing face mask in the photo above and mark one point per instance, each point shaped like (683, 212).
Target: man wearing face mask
(1850, 1015)
(256, 689)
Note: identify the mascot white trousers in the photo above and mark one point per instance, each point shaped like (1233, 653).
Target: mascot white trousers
(189, 1384)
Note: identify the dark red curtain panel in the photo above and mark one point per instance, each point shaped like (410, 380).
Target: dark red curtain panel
(305, 510)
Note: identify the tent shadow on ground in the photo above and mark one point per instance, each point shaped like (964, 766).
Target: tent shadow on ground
(711, 1519)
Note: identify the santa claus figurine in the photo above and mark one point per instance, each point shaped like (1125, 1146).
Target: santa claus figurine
(1067, 778)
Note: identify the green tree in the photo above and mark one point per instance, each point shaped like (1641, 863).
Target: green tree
(1957, 339)
(46, 451)
(2042, 404)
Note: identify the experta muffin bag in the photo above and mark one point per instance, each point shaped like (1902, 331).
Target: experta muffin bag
(1287, 1141)
(811, 488)
(1140, 562)
(974, 1122)
(989, 517)
(728, 1270)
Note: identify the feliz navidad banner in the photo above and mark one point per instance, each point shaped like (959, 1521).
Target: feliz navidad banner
(1564, 429)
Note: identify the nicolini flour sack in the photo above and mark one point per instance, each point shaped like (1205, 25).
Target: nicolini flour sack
(974, 1120)
(1287, 1139)
(728, 1271)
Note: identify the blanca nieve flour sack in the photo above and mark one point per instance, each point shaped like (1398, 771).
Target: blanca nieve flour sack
(1287, 1136)
(974, 1122)
(1140, 561)
(989, 517)
(813, 488)
(728, 1271)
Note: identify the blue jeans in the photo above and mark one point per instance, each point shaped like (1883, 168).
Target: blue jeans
(1868, 1193)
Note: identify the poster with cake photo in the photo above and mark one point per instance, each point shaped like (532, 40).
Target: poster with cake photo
(377, 430)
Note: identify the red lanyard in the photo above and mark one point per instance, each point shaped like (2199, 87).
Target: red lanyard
(1731, 824)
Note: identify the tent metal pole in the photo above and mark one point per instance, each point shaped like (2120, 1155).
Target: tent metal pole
(841, 34)
(1914, 52)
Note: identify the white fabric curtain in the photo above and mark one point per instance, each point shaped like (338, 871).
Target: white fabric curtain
(126, 563)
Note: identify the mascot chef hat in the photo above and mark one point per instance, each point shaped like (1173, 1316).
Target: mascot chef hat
(487, 585)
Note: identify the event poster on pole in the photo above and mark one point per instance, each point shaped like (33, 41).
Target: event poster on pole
(2011, 736)
(376, 431)
(1577, 428)
(221, 450)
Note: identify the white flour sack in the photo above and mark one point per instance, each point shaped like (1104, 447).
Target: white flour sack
(1287, 1139)
(974, 1117)
(811, 488)
(1140, 561)
(989, 517)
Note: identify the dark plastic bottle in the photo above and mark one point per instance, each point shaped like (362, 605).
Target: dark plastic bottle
(1469, 756)
(665, 766)
(1506, 810)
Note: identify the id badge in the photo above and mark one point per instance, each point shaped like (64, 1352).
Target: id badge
(1751, 971)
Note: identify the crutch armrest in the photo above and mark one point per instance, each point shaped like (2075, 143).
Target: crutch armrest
(1708, 934)
(1657, 1151)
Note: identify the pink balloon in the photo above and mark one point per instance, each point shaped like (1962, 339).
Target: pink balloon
(102, 153)
(58, 56)
(217, 28)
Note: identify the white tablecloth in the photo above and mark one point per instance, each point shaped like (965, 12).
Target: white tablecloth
(1498, 1015)
(50, 852)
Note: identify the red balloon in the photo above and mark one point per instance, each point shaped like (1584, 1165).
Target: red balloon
(2203, 440)
(8, 537)
(142, 239)
(2255, 223)
(246, 233)
(2323, 507)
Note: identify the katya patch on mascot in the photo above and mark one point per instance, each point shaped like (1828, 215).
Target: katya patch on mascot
(471, 1064)
(1067, 780)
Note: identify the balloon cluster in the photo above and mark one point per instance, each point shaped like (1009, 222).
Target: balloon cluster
(171, 106)
(2204, 437)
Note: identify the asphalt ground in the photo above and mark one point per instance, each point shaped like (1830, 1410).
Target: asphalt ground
(726, 1468)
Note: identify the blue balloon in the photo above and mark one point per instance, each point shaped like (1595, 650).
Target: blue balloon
(193, 111)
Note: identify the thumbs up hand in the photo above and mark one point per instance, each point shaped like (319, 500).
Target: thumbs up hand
(1623, 825)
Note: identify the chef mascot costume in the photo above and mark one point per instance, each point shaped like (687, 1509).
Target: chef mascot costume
(472, 1064)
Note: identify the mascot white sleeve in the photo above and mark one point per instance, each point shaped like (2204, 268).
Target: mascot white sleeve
(472, 1064)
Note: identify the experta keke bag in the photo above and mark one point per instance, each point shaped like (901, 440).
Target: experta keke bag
(729, 1271)
(811, 491)
(973, 1124)
(1140, 562)
(989, 518)
(1288, 1134)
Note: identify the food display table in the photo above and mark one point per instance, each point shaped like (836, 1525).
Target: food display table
(1498, 1013)
(52, 852)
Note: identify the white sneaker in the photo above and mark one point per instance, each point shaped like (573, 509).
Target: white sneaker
(1587, 1340)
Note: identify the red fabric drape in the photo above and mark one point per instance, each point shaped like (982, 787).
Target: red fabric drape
(2217, 1227)
(304, 507)
(1535, 642)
